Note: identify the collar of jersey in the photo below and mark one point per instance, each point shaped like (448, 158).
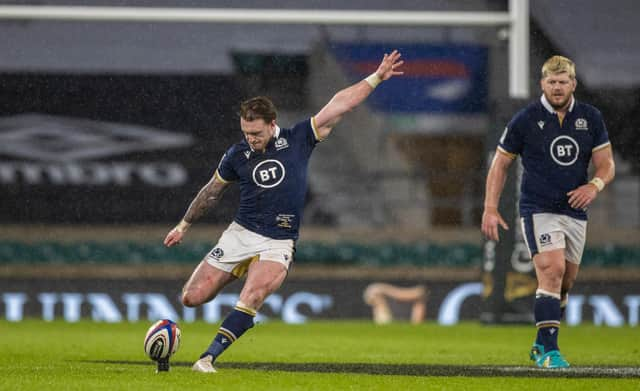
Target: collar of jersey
(276, 134)
(550, 109)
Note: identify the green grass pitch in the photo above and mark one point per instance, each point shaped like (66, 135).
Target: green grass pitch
(38, 355)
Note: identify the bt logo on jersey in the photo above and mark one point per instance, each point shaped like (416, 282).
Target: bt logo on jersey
(268, 173)
(564, 150)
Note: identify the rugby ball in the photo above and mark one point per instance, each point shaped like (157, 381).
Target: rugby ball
(162, 340)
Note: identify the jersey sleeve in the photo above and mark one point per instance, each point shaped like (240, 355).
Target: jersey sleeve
(511, 140)
(601, 136)
(226, 171)
(305, 132)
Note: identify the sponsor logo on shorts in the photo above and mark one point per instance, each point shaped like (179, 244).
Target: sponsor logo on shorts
(217, 253)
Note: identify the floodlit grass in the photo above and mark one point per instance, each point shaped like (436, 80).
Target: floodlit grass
(39, 355)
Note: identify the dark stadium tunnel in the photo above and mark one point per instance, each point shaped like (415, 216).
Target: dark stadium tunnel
(427, 370)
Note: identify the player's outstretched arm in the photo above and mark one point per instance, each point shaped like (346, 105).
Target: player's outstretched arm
(496, 178)
(206, 199)
(349, 98)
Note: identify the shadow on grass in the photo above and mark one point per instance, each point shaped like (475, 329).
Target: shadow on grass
(414, 369)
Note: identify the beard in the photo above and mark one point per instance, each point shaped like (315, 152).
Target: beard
(557, 106)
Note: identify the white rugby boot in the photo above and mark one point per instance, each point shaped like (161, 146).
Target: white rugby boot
(204, 365)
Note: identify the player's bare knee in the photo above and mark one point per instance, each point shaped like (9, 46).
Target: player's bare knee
(189, 299)
(551, 271)
(549, 278)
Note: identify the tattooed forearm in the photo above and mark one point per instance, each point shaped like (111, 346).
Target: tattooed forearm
(206, 199)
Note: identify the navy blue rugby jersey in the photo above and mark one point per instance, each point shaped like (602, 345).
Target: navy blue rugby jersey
(273, 184)
(555, 156)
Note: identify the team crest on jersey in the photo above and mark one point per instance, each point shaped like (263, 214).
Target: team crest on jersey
(268, 173)
(581, 124)
(541, 124)
(281, 143)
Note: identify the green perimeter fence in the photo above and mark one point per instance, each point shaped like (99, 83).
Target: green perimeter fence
(345, 253)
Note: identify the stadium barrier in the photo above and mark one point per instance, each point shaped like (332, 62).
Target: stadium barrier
(320, 253)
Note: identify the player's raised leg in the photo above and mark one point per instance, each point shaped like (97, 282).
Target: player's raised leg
(263, 278)
(204, 284)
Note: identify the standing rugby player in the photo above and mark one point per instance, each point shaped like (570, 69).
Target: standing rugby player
(556, 137)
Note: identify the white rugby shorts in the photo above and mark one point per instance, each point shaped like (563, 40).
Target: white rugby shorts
(238, 247)
(549, 231)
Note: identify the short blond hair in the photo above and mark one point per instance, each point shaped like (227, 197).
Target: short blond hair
(559, 64)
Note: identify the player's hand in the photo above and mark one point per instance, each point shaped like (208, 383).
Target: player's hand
(581, 197)
(173, 237)
(389, 64)
(490, 220)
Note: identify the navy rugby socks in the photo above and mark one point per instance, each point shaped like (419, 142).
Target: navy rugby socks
(547, 315)
(233, 326)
